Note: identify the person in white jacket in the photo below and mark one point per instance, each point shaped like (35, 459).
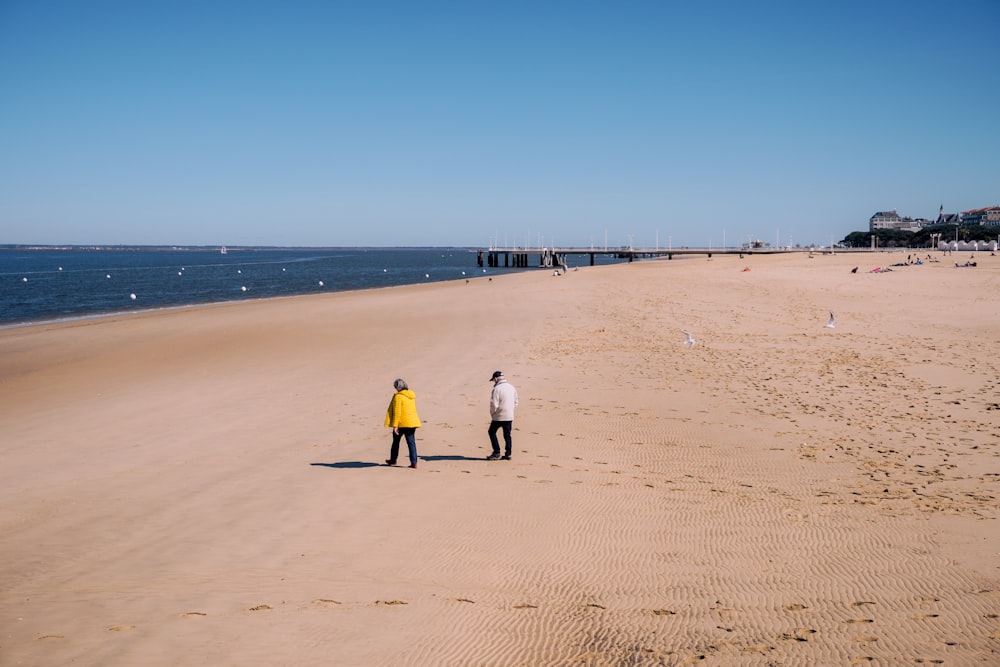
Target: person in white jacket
(503, 400)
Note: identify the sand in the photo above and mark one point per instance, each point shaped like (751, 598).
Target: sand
(205, 486)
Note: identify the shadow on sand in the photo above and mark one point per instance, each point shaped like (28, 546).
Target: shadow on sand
(348, 464)
(452, 458)
(369, 464)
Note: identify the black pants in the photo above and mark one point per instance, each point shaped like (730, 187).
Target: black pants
(494, 427)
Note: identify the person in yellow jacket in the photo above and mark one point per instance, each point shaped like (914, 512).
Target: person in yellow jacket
(402, 418)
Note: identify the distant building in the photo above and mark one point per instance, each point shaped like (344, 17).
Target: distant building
(884, 220)
(947, 218)
(983, 217)
(892, 220)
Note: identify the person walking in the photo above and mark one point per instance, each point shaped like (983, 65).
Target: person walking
(402, 418)
(503, 400)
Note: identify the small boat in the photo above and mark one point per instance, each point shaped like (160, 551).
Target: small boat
(223, 250)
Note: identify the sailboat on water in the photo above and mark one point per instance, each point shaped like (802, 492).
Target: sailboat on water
(223, 250)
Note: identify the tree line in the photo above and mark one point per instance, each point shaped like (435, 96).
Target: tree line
(902, 238)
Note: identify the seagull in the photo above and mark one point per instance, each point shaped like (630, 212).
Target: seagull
(831, 324)
(689, 340)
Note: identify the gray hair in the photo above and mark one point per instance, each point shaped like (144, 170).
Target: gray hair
(400, 384)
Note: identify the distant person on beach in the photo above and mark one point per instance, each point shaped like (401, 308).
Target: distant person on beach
(402, 418)
(503, 400)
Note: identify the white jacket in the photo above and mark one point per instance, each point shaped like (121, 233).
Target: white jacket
(503, 400)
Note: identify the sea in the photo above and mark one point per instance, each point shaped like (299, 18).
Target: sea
(39, 285)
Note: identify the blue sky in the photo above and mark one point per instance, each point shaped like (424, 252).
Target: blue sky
(461, 123)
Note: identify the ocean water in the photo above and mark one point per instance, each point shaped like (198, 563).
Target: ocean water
(48, 284)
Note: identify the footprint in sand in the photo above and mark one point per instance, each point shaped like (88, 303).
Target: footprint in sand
(260, 607)
(391, 602)
(193, 614)
(757, 648)
(121, 628)
(525, 606)
(325, 602)
(49, 638)
(798, 634)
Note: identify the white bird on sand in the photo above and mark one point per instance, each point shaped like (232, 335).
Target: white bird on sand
(689, 340)
(831, 324)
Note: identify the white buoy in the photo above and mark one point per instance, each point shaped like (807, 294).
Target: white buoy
(427, 275)
(321, 283)
(239, 270)
(132, 296)
(108, 276)
(282, 269)
(463, 273)
(385, 270)
(60, 268)
(24, 280)
(243, 289)
(180, 273)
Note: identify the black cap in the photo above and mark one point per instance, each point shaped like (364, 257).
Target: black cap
(496, 374)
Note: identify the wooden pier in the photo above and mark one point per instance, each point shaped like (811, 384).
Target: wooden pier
(548, 258)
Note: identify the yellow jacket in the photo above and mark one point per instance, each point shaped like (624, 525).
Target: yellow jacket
(403, 410)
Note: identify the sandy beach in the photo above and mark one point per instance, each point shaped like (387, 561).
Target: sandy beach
(206, 486)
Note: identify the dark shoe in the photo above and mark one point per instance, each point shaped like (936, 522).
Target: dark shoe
(413, 465)
(390, 462)
(506, 457)
(493, 457)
